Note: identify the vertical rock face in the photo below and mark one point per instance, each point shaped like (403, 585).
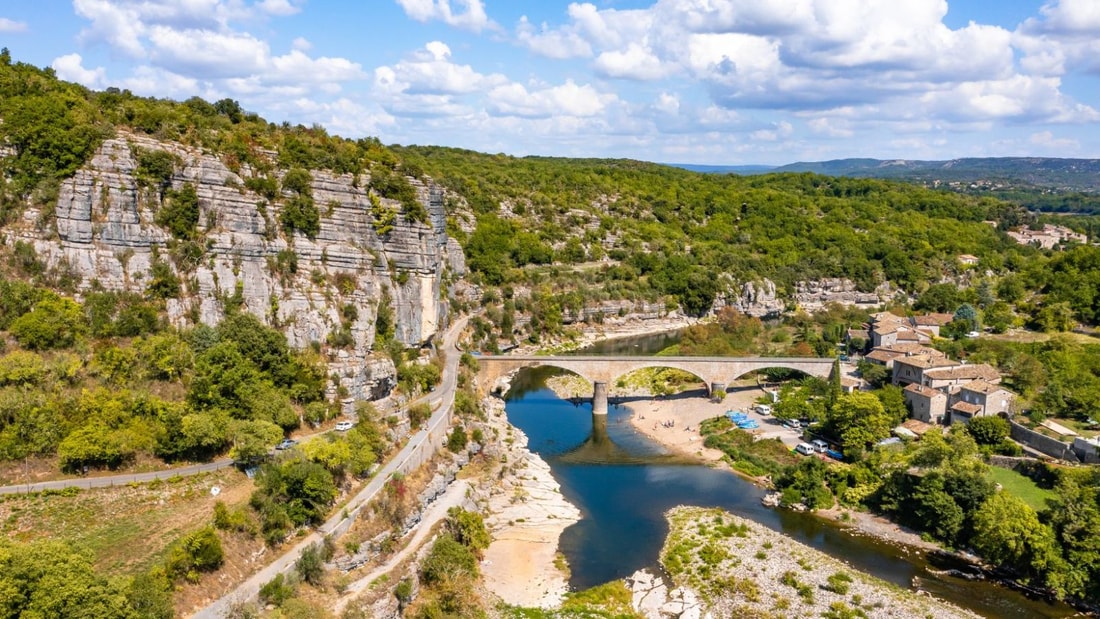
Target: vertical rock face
(103, 231)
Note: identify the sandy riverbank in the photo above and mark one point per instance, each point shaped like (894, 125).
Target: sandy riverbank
(526, 515)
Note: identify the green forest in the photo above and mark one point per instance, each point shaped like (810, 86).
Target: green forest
(96, 379)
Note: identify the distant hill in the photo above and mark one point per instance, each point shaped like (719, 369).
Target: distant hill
(993, 173)
(723, 169)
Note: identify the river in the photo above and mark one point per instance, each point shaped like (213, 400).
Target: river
(623, 483)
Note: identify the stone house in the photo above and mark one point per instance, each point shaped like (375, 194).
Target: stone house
(925, 403)
(941, 378)
(992, 399)
(911, 369)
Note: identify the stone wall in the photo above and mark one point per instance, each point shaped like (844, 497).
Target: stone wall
(1043, 444)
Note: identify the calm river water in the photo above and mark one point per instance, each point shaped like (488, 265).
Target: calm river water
(623, 483)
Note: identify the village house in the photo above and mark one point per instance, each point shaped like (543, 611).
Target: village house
(885, 355)
(911, 369)
(932, 322)
(1048, 237)
(963, 412)
(990, 398)
(942, 378)
(925, 403)
(968, 259)
(887, 329)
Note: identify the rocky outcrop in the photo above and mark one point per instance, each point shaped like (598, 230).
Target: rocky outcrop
(813, 295)
(102, 231)
(761, 299)
(758, 299)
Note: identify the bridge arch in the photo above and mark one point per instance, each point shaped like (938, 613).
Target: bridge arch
(715, 372)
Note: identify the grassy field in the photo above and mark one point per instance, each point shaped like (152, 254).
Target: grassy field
(127, 528)
(1021, 486)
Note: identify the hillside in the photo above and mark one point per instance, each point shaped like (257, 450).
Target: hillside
(1039, 172)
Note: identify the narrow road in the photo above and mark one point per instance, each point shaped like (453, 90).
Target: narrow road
(342, 520)
(110, 481)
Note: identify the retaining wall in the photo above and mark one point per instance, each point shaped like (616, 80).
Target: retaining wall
(1042, 443)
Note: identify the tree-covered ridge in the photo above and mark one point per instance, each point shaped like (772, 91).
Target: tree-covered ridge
(639, 230)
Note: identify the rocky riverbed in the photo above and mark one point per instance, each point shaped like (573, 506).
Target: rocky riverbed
(738, 568)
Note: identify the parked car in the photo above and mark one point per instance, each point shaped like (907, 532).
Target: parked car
(763, 409)
(820, 445)
(344, 426)
(805, 449)
(793, 424)
(286, 443)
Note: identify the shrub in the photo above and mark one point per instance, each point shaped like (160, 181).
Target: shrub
(418, 414)
(181, 214)
(200, 551)
(468, 528)
(278, 590)
(838, 583)
(457, 441)
(55, 322)
(447, 560)
(311, 564)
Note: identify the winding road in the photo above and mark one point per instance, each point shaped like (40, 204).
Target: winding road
(339, 523)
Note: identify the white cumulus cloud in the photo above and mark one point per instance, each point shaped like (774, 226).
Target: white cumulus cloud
(12, 26)
(472, 18)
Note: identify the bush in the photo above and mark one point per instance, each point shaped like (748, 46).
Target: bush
(468, 528)
(200, 551)
(418, 414)
(838, 583)
(181, 214)
(278, 590)
(988, 430)
(55, 322)
(447, 560)
(457, 442)
(311, 564)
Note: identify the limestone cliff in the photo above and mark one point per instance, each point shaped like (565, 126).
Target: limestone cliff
(102, 230)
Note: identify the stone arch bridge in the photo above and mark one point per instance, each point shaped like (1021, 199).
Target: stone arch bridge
(715, 372)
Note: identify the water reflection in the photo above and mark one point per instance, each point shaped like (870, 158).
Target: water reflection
(623, 484)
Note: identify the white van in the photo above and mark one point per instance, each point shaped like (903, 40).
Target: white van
(820, 445)
(805, 449)
(763, 409)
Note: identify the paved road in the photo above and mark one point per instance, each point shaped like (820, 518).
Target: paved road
(339, 523)
(110, 481)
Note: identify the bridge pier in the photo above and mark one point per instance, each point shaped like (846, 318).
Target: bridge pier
(599, 398)
(716, 387)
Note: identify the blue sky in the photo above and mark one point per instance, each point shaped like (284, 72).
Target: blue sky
(693, 81)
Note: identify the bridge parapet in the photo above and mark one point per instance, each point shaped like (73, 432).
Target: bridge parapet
(607, 369)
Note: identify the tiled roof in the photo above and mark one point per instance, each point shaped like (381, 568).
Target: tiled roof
(879, 354)
(926, 361)
(976, 372)
(932, 320)
(981, 386)
(916, 426)
(910, 348)
(922, 390)
(966, 407)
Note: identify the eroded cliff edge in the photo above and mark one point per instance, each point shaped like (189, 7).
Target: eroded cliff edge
(101, 232)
